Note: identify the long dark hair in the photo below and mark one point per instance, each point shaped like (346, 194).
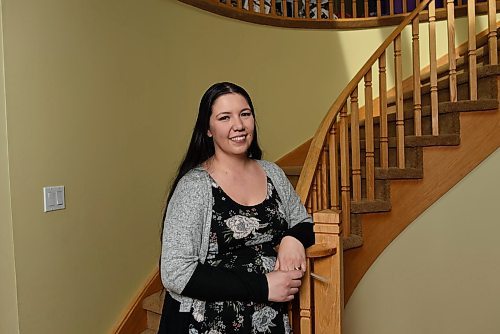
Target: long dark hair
(201, 146)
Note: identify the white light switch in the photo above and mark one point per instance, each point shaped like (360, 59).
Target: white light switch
(53, 198)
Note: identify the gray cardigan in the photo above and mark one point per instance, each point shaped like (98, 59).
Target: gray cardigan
(188, 219)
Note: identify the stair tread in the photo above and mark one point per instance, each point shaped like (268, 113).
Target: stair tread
(443, 108)
(429, 140)
(154, 303)
(463, 106)
(365, 206)
(394, 173)
(352, 241)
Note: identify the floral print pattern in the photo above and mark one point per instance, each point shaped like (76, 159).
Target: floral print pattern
(262, 319)
(242, 226)
(243, 237)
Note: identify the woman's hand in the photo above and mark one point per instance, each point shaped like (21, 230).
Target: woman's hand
(291, 255)
(283, 285)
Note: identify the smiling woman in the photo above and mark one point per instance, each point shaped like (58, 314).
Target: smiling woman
(226, 212)
(231, 125)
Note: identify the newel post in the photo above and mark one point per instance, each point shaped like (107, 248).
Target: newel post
(328, 294)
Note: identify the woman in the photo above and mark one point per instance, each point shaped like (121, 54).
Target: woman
(226, 213)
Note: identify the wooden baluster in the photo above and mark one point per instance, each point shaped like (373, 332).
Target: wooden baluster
(417, 93)
(284, 7)
(345, 187)
(379, 8)
(433, 67)
(273, 7)
(324, 178)
(320, 187)
(460, 2)
(471, 50)
(308, 8)
(400, 130)
(354, 9)
(366, 7)
(452, 58)
(383, 135)
(391, 7)
(305, 301)
(342, 9)
(492, 35)
(405, 6)
(314, 195)
(330, 9)
(328, 296)
(318, 9)
(262, 6)
(356, 163)
(334, 164)
(295, 8)
(239, 4)
(369, 144)
(309, 203)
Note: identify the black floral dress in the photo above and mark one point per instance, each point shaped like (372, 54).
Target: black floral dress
(243, 237)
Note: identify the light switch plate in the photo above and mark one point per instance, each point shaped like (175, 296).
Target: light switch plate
(53, 198)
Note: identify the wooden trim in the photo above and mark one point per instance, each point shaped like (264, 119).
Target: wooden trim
(308, 23)
(444, 167)
(134, 320)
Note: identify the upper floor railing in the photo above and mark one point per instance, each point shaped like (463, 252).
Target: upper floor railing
(328, 14)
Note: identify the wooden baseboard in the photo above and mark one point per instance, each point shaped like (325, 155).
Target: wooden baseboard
(443, 168)
(134, 320)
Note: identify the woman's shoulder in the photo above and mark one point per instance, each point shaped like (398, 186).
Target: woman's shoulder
(196, 174)
(196, 180)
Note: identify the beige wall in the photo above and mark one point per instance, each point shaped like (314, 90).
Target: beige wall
(441, 274)
(101, 97)
(8, 292)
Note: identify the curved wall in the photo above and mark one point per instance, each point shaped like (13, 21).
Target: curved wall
(441, 274)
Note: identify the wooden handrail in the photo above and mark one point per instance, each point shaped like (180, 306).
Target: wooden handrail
(309, 168)
(320, 250)
(294, 18)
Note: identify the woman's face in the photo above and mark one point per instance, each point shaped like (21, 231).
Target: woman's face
(231, 125)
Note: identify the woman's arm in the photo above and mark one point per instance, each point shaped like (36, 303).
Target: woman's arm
(220, 284)
(182, 233)
(303, 232)
(216, 284)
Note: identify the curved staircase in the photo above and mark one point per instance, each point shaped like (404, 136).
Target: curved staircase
(382, 165)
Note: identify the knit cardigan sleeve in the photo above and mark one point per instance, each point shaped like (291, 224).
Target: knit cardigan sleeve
(299, 221)
(182, 233)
